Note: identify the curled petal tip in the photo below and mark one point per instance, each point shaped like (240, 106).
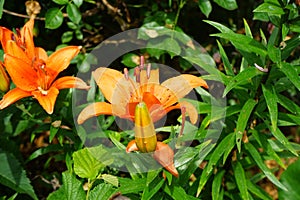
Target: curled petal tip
(131, 146)
(165, 155)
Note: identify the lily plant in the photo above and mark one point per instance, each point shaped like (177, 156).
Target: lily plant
(144, 100)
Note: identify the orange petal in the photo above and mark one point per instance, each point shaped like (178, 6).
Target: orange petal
(5, 36)
(4, 79)
(12, 96)
(41, 53)
(165, 156)
(95, 109)
(13, 49)
(70, 82)
(47, 98)
(181, 85)
(60, 60)
(21, 73)
(115, 88)
(190, 109)
(153, 78)
(27, 38)
(131, 146)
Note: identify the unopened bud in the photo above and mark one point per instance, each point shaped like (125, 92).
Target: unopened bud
(145, 135)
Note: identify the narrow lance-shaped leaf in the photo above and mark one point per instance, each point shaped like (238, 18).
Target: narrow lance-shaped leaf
(242, 77)
(243, 120)
(271, 100)
(215, 157)
(227, 65)
(241, 180)
(216, 185)
(290, 71)
(258, 160)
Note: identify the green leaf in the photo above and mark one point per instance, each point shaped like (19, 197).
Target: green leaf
(290, 71)
(172, 46)
(86, 165)
(110, 179)
(131, 60)
(78, 34)
(289, 178)
(214, 158)
(269, 8)
(243, 121)
(102, 191)
(67, 36)
(271, 100)
(288, 104)
(219, 26)
(54, 18)
(242, 77)
(1, 7)
(227, 65)
(61, 2)
(283, 140)
(227, 4)
(247, 29)
(152, 188)
(244, 43)
(274, 54)
(176, 192)
(258, 160)
(241, 180)
(13, 175)
(257, 191)
(78, 3)
(71, 189)
(205, 7)
(216, 185)
(73, 13)
(132, 186)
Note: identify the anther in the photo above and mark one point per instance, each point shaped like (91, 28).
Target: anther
(142, 62)
(126, 73)
(137, 74)
(148, 70)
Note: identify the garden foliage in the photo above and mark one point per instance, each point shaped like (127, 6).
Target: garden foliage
(247, 130)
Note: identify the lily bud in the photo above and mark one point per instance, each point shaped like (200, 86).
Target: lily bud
(145, 135)
(4, 80)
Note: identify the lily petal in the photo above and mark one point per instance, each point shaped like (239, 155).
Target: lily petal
(21, 73)
(165, 156)
(5, 36)
(41, 53)
(12, 48)
(70, 82)
(47, 101)
(153, 78)
(181, 85)
(12, 96)
(117, 89)
(27, 38)
(60, 60)
(190, 109)
(95, 109)
(131, 146)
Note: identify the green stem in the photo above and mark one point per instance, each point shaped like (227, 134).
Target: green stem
(181, 4)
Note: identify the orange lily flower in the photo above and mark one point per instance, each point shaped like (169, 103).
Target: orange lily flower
(123, 94)
(33, 72)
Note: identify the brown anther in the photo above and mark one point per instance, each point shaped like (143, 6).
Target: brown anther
(137, 74)
(142, 62)
(126, 73)
(148, 70)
